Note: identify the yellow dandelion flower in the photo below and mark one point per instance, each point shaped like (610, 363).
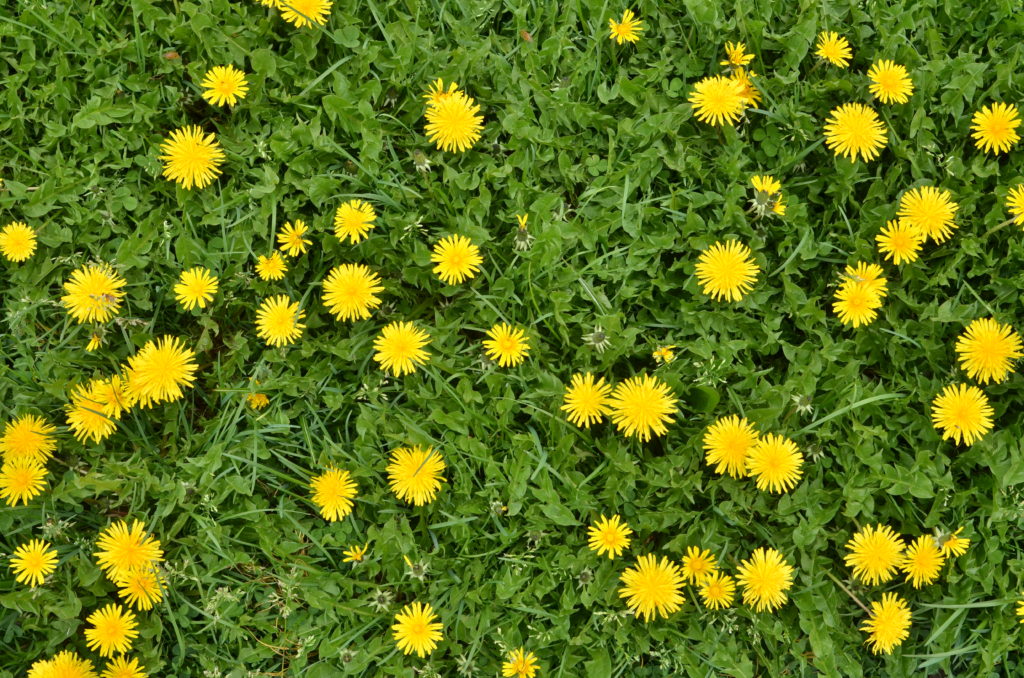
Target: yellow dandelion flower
(929, 210)
(277, 321)
(33, 561)
(1020, 608)
(94, 293)
(17, 241)
(726, 271)
(415, 629)
(123, 667)
(736, 55)
(727, 442)
(224, 85)
(774, 462)
(698, 565)
(717, 591)
(257, 401)
(834, 49)
(765, 578)
(350, 291)
(962, 413)
(159, 371)
(195, 287)
(92, 412)
(399, 348)
(354, 220)
(95, 341)
(987, 350)
(292, 238)
(642, 406)
(191, 158)
(454, 123)
(506, 345)
(664, 354)
(123, 550)
(457, 259)
(586, 400)
(718, 100)
(414, 474)
(875, 554)
(334, 492)
(995, 128)
(113, 629)
(303, 13)
(355, 554)
(1015, 203)
(609, 535)
(21, 480)
(652, 587)
(766, 184)
(899, 242)
(745, 79)
(64, 664)
(436, 93)
(272, 267)
(626, 30)
(955, 545)
(141, 587)
(923, 561)
(854, 129)
(28, 437)
(520, 664)
(890, 82)
(856, 304)
(888, 624)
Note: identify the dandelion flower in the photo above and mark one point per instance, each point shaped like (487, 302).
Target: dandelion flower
(1020, 608)
(95, 341)
(17, 241)
(354, 220)
(399, 348)
(765, 578)
(92, 413)
(414, 474)
(717, 591)
(834, 49)
(224, 85)
(64, 664)
(923, 561)
(875, 554)
(457, 259)
(277, 321)
(890, 82)
(698, 565)
(774, 463)
(506, 345)
(642, 406)
(292, 238)
(766, 184)
(520, 664)
(113, 629)
(726, 271)
(955, 545)
(1015, 203)
(28, 437)
(454, 123)
(929, 210)
(962, 413)
(436, 93)
(272, 267)
(159, 371)
(664, 354)
(652, 587)
(995, 128)
(350, 291)
(304, 13)
(415, 629)
(257, 401)
(626, 30)
(94, 293)
(123, 550)
(854, 129)
(123, 667)
(609, 535)
(355, 554)
(744, 78)
(586, 400)
(718, 100)
(899, 241)
(987, 350)
(856, 305)
(141, 587)
(736, 55)
(21, 480)
(333, 492)
(33, 561)
(727, 443)
(888, 625)
(191, 158)
(195, 287)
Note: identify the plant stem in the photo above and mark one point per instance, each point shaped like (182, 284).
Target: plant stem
(848, 592)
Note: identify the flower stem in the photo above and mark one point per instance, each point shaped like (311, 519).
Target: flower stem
(999, 227)
(848, 592)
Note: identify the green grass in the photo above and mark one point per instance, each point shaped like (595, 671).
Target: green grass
(596, 142)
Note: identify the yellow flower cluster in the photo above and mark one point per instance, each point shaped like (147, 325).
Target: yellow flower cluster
(722, 99)
(453, 120)
(732, 446)
(640, 406)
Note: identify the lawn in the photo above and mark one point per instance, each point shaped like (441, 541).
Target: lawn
(623, 188)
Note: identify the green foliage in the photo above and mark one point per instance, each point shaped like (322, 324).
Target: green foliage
(597, 144)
